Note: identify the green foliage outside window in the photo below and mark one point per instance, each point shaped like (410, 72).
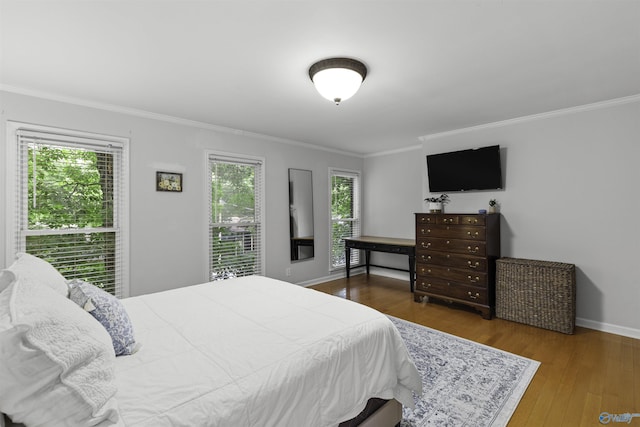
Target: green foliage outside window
(235, 228)
(71, 189)
(341, 197)
(233, 193)
(67, 188)
(342, 216)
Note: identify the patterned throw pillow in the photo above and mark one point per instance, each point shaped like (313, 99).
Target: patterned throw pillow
(108, 311)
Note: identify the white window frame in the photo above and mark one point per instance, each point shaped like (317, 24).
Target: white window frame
(356, 219)
(239, 158)
(13, 187)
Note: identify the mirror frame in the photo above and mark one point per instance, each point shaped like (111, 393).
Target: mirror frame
(301, 225)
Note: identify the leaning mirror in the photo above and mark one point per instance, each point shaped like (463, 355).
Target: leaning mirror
(300, 214)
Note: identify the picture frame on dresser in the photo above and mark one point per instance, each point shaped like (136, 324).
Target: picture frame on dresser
(456, 259)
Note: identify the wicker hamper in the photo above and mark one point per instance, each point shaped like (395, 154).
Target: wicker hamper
(538, 293)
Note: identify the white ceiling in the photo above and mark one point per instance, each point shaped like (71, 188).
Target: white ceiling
(434, 66)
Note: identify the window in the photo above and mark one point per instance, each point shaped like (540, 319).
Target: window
(70, 204)
(345, 214)
(235, 217)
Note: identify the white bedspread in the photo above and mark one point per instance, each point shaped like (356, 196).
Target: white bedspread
(258, 352)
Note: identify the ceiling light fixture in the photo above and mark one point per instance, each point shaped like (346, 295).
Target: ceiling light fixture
(337, 79)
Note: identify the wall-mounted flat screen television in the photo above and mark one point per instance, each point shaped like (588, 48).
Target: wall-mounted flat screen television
(465, 170)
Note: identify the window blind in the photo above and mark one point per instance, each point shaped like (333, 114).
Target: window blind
(345, 215)
(70, 205)
(235, 217)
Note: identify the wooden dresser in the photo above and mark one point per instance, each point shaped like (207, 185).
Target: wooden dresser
(456, 259)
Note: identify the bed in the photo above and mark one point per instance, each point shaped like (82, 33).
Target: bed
(249, 351)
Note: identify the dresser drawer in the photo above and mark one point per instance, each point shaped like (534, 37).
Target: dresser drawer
(450, 219)
(475, 278)
(453, 260)
(452, 231)
(451, 245)
(472, 219)
(437, 219)
(426, 219)
(460, 292)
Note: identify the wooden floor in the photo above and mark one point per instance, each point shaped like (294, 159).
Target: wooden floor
(580, 375)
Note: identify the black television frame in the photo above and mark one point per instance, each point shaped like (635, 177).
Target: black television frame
(475, 169)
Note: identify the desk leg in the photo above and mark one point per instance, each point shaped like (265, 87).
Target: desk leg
(347, 253)
(412, 272)
(367, 258)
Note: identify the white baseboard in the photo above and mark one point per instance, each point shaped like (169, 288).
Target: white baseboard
(333, 276)
(608, 327)
(585, 323)
(582, 322)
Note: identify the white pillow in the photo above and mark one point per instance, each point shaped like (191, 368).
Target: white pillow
(30, 268)
(57, 364)
(6, 277)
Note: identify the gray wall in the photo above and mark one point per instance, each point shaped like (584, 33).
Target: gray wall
(168, 231)
(392, 194)
(571, 195)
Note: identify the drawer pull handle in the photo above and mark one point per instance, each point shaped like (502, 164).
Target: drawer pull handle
(473, 250)
(472, 296)
(472, 279)
(476, 234)
(473, 265)
(425, 246)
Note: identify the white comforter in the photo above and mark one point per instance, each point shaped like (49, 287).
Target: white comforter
(258, 352)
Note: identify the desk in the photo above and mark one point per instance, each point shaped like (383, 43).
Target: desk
(382, 244)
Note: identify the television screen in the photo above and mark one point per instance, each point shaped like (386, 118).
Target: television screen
(476, 169)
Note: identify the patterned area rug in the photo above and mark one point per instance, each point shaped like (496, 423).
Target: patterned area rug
(465, 383)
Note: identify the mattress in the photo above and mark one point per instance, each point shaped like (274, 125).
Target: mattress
(255, 351)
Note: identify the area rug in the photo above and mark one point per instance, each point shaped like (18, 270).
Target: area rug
(465, 383)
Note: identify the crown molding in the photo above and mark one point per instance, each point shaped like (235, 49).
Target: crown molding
(166, 118)
(232, 131)
(390, 152)
(533, 117)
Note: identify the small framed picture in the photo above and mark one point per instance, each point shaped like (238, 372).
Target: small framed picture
(168, 181)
